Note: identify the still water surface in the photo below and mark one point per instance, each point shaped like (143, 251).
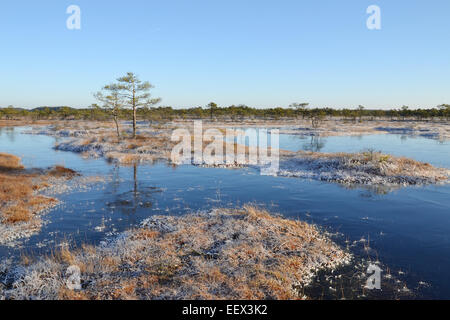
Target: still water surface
(409, 228)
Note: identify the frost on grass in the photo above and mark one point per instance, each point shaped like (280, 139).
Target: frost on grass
(150, 145)
(21, 200)
(223, 254)
(99, 140)
(366, 168)
(125, 151)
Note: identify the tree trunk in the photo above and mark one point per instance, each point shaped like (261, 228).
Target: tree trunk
(134, 122)
(117, 127)
(134, 111)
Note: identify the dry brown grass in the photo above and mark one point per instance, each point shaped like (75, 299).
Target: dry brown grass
(60, 171)
(9, 162)
(67, 294)
(87, 142)
(19, 201)
(16, 213)
(15, 188)
(66, 256)
(24, 210)
(26, 260)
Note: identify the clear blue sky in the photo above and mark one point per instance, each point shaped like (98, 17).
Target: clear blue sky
(255, 52)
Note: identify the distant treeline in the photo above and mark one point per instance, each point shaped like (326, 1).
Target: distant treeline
(212, 111)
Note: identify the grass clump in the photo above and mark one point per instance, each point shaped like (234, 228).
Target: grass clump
(62, 172)
(20, 202)
(224, 254)
(9, 162)
(368, 167)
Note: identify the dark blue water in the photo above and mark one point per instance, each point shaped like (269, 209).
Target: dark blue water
(409, 228)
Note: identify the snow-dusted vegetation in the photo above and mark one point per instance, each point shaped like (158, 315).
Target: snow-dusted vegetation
(367, 168)
(223, 254)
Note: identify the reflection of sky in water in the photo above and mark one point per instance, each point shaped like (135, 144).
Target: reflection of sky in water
(419, 148)
(409, 228)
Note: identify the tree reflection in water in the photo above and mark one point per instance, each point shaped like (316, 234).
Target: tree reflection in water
(138, 197)
(316, 144)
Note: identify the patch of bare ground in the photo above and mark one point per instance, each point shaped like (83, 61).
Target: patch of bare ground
(223, 254)
(369, 168)
(21, 203)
